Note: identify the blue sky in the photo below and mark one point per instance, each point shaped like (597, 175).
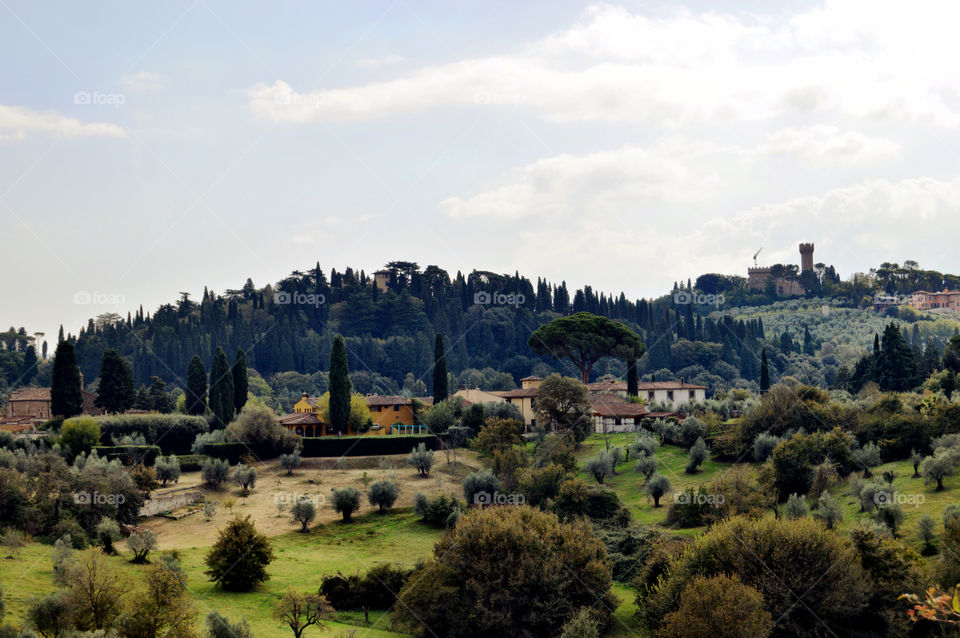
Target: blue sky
(147, 149)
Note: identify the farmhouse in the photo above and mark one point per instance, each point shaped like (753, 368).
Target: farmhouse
(945, 300)
(390, 415)
(34, 404)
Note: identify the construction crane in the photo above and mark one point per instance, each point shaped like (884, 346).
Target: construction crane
(755, 256)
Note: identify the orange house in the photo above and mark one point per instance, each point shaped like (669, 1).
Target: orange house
(390, 414)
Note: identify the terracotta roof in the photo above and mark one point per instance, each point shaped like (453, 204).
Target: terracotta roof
(515, 394)
(38, 394)
(612, 405)
(300, 418)
(645, 385)
(532, 377)
(394, 399)
(659, 415)
(15, 428)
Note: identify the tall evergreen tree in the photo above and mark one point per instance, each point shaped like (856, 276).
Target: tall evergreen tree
(66, 398)
(439, 370)
(29, 369)
(116, 383)
(221, 388)
(764, 372)
(240, 381)
(633, 385)
(196, 398)
(339, 386)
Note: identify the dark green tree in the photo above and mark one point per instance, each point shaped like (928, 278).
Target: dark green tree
(439, 370)
(585, 338)
(221, 388)
(632, 381)
(238, 560)
(340, 386)
(764, 372)
(896, 366)
(240, 381)
(196, 397)
(66, 398)
(29, 369)
(116, 383)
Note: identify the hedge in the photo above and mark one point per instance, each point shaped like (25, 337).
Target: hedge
(327, 446)
(366, 445)
(174, 433)
(191, 462)
(129, 454)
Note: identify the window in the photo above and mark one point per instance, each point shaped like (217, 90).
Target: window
(650, 395)
(693, 395)
(670, 394)
(396, 408)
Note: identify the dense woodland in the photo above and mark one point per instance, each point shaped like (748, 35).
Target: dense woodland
(486, 318)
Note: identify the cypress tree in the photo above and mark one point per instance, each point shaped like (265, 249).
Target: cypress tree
(240, 382)
(196, 399)
(66, 399)
(764, 372)
(439, 370)
(339, 386)
(29, 364)
(632, 382)
(221, 388)
(116, 383)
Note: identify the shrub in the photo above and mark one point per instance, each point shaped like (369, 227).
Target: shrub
(539, 485)
(646, 465)
(50, 615)
(167, 469)
(80, 434)
(383, 494)
(926, 531)
(890, 515)
(828, 510)
(498, 435)
(691, 430)
(238, 560)
(599, 467)
(656, 487)
(645, 443)
(479, 487)
(377, 589)
(258, 427)
(346, 501)
(129, 454)
(290, 462)
(866, 457)
(422, 459)
(214, 472)
(141, 544)
(436, 510)
(505, 558)
(718, 606)
(245, 476)
(763, 446)
(108, 532)
(698, 454)
(796, 507)
(582, 625)
(220, 627)
(753, 550)
(303, 512)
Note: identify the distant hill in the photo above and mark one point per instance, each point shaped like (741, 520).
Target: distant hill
(710, 332)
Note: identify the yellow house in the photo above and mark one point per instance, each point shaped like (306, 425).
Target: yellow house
(525, 398)
(390, 414)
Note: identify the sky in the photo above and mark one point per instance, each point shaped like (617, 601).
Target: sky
(152, 148)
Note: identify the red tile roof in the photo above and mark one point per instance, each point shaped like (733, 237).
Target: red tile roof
(620, 386)
(515, 394)
(300, 418)
(606, 404)
(380, 399)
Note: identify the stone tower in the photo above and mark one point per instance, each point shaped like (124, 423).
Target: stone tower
(806, 257)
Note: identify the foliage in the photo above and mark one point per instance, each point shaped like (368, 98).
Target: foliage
(479, 487)
(796, 507)
(339, 386)
(66, 398)
(141, 544)
(698, 454)
(238, 560)
(600, 466)
(298, 610)
(346, 501)
(221, 388)
(422, 459)
(437, 510)
(383, 494)
(196, 394)
(214, 472)
(167, 469)
(115, 392)
(828, 510)
(563, 404)
(220, 627)
(290, 462)
(718, 606)
(377, 589)
(80, 434)
(303, 512)
(656, 487)
(507, 571)
(498, 435)
(585, 338)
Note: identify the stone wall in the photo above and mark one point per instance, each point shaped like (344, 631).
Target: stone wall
(170, 501)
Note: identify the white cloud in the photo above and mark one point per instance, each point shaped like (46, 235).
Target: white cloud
(389, 60)
(142, 82)
(17, 122)
(829, 144)
(873, 59)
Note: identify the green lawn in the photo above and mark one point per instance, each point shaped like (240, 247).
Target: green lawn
(629, 485)
(301, 560)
